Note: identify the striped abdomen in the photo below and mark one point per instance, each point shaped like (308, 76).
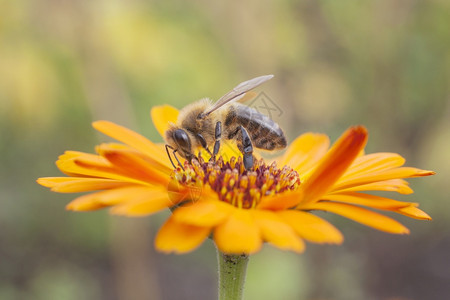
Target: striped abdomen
(265, 133)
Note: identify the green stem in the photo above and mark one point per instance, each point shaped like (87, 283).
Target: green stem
(232, 270)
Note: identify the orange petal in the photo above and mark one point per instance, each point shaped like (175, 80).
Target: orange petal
(375, 162)
(79, 184)
(66, 163)
(129, 137)
(54, 181)
(305, 151)
(162, 116)
(86, 203)
(393, 185)
(203, 213)
(276, 232)
(284, 200)
(179, 192)
(180, 238)
(70, 155)
(311, 227)
(334, 164)
(143, 206)
(154, 162)
(361, 215)
(396, 173)
(95, 165)
(134, 166)
(366, 200)
(414, 212)
(113, 197)
(238, 234)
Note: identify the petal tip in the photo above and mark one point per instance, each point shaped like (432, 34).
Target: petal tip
(98, 123)
(41, 181)
(359, 129)
(358, 132)
(338, 238)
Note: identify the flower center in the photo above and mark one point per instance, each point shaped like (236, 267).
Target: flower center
(235, 185)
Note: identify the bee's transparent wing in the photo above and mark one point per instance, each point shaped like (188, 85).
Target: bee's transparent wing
(238, 92)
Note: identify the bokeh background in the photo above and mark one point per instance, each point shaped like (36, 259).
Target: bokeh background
(384, 64)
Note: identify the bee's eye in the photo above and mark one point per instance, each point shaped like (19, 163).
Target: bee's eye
(182, 139)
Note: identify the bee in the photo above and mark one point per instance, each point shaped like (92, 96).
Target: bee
(203, 124)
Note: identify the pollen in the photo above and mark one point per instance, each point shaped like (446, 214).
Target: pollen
(236, 185)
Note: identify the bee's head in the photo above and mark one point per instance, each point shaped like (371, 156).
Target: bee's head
(180, 141)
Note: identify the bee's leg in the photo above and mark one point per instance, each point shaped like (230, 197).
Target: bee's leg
(203, 143)
(246, 148)
(217, 137)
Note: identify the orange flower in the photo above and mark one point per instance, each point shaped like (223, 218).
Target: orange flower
(240, 210)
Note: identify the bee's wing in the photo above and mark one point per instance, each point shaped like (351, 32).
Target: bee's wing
(247, 96)
(238, 92)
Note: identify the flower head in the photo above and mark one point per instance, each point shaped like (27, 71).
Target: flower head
(240, 209)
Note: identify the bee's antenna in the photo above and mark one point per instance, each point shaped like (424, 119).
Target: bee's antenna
(171, 161)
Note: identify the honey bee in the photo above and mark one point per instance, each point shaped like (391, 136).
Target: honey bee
(203, 124)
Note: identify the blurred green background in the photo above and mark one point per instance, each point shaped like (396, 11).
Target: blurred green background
(384, 64)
